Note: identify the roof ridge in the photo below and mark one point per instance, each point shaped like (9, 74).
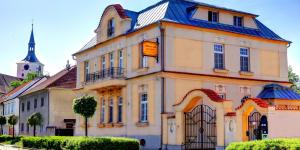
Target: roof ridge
(218, 7)
(152, 6)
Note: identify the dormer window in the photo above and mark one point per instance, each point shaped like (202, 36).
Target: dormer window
(238, 21)
(111, 28)
(213, 16)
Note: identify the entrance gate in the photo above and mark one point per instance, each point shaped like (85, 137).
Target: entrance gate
(253, 124)
(200, 128)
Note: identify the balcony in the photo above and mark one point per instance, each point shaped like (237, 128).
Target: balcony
(111, 77)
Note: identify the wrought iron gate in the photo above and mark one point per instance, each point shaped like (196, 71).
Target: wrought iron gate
(200, 128)
(253, 124)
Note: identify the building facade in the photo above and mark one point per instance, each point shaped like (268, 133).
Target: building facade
(52, 98)
(9, 103)
(149, 70)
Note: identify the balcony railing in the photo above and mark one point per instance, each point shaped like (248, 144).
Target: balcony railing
(110, 73)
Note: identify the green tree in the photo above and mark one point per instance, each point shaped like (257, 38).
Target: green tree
(86, 107)
(29, 77)
(294, 79)
(36, 119)
(13, 120)
(2, 122)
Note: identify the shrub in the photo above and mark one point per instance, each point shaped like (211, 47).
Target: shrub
(5, 138)
(81, 143)
(270, 144)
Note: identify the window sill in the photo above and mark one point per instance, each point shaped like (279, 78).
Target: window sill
(142, 124)
(110, 125)
(223, 71)
(119, 124)
(142, 70)
(246, 73)
(101, 125)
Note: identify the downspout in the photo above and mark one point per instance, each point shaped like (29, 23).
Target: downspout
(48, 97)
(162, 63)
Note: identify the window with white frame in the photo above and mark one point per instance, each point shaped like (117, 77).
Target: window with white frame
(120, 65)
(111, 28)
(96, 65)
(120, 107)
(238, 21)
(111, 110)
(41, 128)
(213, 16)
(143, 59)
(103, 65)
(22, 127)
(120, 59)
(86, 70)
(145, 62)
(244, 59)
(219, 56)
(111, 63)
(42, 101)
(102, 116)
(144, 107)
(12, 107)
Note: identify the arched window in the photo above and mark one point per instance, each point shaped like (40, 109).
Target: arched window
(111, 28)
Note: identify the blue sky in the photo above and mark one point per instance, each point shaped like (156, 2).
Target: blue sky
(63, 27)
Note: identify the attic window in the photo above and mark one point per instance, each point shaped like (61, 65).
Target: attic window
(238, 21)
(111, 28)
(213, 16)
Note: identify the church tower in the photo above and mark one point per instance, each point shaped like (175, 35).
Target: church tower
(30, 64)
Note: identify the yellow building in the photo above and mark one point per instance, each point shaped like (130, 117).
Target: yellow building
(153, 71)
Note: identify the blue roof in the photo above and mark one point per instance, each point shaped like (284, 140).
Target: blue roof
(276, 91)
(179, 11)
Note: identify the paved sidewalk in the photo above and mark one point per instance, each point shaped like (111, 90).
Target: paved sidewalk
(10, 147)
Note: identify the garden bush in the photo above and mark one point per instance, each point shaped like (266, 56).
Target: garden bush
(5, 138)
(269, 144)
(80, 143)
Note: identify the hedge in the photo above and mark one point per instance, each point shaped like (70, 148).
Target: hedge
(81, 143)
(5, 138)
(269, 144)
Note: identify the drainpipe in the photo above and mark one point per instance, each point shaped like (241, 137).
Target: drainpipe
(162, 63)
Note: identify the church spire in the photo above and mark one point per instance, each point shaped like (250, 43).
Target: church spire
(31, 57)
(31, 44)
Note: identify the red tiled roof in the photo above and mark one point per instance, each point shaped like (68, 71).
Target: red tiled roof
(261, 103)
(13, 91)
(210, 93)
(63, 79)
(120, 10)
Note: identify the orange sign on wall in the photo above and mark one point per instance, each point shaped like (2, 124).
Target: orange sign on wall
(150, 49)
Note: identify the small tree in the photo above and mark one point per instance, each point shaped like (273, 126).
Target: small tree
(86, 107)
(13, 120)
(2, 122)
(36, 119)
(294, 79)
(29, 77)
